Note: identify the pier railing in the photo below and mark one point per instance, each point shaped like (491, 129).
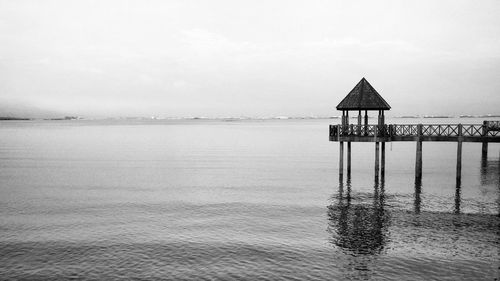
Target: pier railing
(398, 131)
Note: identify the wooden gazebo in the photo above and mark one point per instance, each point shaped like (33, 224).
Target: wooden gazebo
(363, 97)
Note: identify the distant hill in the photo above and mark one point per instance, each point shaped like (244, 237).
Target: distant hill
(14, 110)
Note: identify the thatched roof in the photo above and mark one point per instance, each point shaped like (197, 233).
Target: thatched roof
(363, 97)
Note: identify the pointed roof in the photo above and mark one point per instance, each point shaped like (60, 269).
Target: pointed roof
(363, 97)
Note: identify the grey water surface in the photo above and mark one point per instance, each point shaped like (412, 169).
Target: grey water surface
(239, 200)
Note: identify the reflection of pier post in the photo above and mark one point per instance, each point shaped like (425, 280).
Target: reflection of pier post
(418, 190)
(457, 198)
(347, 192)
(348, 185)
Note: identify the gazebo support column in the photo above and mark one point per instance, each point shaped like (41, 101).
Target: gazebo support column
(360, 118)
(366, 122)
(343, 120)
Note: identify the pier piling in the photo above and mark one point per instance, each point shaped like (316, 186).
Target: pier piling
(341, 159)
(484, 149)
(382, 162)
(377, 159)
(418, 158)
(418, 162)
(459, 155)
(348, 158)
(459, 162)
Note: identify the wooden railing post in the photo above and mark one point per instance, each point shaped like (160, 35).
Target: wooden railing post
(334, 133)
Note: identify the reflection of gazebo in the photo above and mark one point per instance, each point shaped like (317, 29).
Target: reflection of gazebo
(359, 228)
(363, 97)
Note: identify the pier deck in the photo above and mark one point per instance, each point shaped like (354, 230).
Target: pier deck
(489, 131)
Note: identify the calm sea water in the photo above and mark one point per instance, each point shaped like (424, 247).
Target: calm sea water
(246, 200)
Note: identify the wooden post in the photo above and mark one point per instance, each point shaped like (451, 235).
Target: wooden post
(484, 150)
(459, 155)
(418, 160)
(377, 162)
(382, 162)
(343, 122)
(348, 159)
(366, 123)
(360, 117)
(341, 160)
(384, 126)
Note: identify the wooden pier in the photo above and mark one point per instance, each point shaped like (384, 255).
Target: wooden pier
(365, 98)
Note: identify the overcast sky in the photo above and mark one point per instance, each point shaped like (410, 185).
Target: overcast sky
(252, 58)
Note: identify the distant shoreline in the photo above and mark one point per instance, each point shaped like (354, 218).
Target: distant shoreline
(70, 118)
(14, 119)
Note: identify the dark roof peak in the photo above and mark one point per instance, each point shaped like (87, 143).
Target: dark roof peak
(363, 97)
